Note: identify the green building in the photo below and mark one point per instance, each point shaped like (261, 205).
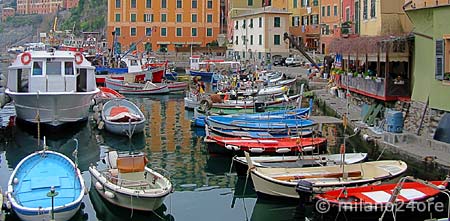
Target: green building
(431, 65)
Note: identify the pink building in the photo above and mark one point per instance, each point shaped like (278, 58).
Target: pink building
(350, 19)
(7, 12)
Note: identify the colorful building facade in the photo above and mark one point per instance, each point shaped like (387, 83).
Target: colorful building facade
(44, 6)
(431, 65)
(304, 22)
(162, 25)
(7, 12)
(330, 23)
(258, 35)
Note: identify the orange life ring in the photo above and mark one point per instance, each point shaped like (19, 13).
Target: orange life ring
(26, 58)
(78, 58)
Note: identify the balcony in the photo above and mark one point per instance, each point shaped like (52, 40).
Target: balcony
(378, 88)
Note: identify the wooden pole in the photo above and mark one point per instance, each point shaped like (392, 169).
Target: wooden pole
(386, 68)
(378, 61)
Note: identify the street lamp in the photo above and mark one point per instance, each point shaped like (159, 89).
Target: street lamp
(52, 194)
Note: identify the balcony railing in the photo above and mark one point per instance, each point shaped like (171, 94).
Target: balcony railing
(375, 88)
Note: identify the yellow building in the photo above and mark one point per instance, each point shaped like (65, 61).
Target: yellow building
(160, 25)
(383, 17)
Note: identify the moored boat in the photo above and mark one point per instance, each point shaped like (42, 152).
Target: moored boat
(52, 87)
(127, 182)
(123, 117)
(107, 94)
(282, 182)
(39, 176)
(241, 165)
(136, 88)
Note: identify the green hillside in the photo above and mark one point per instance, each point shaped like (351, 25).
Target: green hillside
(90, 15)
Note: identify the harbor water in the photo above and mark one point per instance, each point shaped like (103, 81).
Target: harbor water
(205, 186)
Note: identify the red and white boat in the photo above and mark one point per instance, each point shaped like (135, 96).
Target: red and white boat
(405, 196)
(268, 145)
(136, 88)
(107, 94)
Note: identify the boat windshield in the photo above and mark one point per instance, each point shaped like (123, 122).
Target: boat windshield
(53, 68)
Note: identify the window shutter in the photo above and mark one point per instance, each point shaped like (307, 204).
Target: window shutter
(439, 74)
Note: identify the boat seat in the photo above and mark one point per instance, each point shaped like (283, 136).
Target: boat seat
(129, 184)
(45, 182)
(351, 174)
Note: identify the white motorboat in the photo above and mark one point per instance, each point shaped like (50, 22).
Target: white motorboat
(52, 87)
(128, 183)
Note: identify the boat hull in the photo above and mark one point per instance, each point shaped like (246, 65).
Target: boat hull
(135, 88)
(123, 128)
(53, 108)
(45, 215)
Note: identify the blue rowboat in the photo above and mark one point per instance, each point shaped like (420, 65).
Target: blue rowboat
(199, 121)
(35, 176)
(272, 125)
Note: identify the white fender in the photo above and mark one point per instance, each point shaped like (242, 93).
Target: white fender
(98, 186)
(15, 180)
(308, 148)
(101, 125)
(110, 195)
(256, 150)
(232, 147)
(283, 150)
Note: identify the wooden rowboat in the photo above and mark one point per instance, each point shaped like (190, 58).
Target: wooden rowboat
(123, 117)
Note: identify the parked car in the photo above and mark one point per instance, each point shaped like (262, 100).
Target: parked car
(279, 61)
(291, 61)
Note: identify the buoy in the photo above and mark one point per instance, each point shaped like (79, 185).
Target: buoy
(110, 194)
(8, 205)
(256, 150)
(16, 180)
(98, 186)
(232, 147)
(283, 150)
(101, 125)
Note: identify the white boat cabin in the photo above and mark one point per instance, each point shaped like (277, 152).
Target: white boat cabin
(214, 65)
(133, 63)
(51, 71)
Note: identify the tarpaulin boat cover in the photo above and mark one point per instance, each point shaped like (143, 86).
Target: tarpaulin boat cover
(443, 130)
(131, 164)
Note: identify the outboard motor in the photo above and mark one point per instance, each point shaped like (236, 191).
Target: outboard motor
(305, 191)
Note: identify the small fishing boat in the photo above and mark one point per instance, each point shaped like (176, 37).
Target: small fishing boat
(107, 94)
(39, 176)
(272, 125)
(268, 145)
(372, 200)
(136, 88)
(257, 134)
(199, 120)
(174, 86)
(123, 117)
(240, 163)
(282, 182)
(127, 182)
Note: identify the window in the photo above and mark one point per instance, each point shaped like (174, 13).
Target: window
(328, 10)
(117, 18)
(209, 32)
(148, 47)
(372, 8)
(251, 23)
(209, 18)
(260, 22)
(237, 25)
(179, 18)
(133, 3)
(302, 3)
(53, 68)
(295, 4)
(179, 4)
(305, 20)
(133, 18)
(440, 50)
(163, 32)
(237, 40)
(163, 17)
(260, 39)
(276, 40)
(209, 4)
(68, 68)
(117, 3)
(132, 31)
(249, 2)
(117, 31)
(295, 21)
(251, 39)
(315, 2)
(243, 23)
(194, 32)
(277, 22)
(148, 17)
(148, 31)
(194, 18)
(365, 10)
(314, 19)
(148, 3)
(179, 32)
(163, 3)
(37, 68)
(194, 3)
(323, 11)
(335, 10)
(347, 14)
